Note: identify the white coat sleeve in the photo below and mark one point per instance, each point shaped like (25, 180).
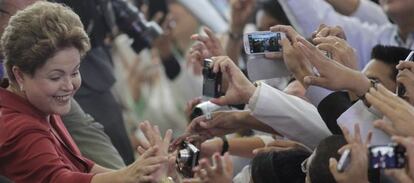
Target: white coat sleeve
(289, 115)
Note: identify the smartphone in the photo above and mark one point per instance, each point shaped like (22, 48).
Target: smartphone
(344, 160)
(386, 156)
(262, 42)
(400, 87)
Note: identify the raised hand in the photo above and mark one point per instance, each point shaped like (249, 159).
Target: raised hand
(332, 75)
(220, 172)
(239, 88)
(399, 112)
(241, 11)
(340, 50)
(143, 169)
(357, 170)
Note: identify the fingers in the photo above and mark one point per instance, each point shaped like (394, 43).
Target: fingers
(204, 164)
(140, 150)
(150, 169)
(357, 134)
(218, 162)
(332, 167)
(399, 175)
(405, 65)
(153, 160)
(147, 178)
(386, 127)
(150, 152)
(291, 34)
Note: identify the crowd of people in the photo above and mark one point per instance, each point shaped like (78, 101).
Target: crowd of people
(106, 91)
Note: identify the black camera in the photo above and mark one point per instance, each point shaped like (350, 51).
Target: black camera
(131, 21)
(386, 156)
(211, 80)
(187, 159)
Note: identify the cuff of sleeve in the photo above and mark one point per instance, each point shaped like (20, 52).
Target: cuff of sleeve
(253, 100)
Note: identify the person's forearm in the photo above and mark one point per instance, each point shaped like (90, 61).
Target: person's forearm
(360, 84)
(233, 46)
(99, 169)
(108, 177)
(345, 7)
(244, 146)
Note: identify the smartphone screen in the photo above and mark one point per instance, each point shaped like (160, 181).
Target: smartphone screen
(386, 156)
(262, 42)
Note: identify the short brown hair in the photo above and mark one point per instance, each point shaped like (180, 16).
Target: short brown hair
(37, 33)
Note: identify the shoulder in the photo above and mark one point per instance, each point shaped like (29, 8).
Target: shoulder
(14, 125)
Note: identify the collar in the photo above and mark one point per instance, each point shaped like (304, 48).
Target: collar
(408, 43)
(17, 103)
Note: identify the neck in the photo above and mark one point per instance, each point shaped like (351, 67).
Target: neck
(405, 27)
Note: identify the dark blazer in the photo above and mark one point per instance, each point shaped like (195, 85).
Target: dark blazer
(331, 107)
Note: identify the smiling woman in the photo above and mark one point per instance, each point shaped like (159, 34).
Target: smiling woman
(43, 45)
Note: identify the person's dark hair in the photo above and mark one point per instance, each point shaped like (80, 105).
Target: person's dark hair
(279, 167)
(390, 55)
(274, 9)
(319, 165)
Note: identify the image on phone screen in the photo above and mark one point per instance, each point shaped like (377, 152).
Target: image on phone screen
(264, 42)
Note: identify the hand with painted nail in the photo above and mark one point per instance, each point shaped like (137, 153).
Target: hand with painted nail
(405, 174)
(357, 170)
(332, 75)
(400, 114)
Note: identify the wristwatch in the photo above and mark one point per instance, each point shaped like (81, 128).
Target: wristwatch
(225, 146)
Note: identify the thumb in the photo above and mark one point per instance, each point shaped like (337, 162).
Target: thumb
(220, 101)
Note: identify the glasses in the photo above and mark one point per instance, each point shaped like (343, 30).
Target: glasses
(304, 166)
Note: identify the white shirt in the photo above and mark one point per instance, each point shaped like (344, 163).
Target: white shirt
(307, 15)
(288, 115)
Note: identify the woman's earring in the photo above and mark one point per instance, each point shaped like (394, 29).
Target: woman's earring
(21, 88)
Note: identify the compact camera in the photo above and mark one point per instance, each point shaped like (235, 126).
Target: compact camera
(211, 80)
(262, 42)
(400, 87)
(187, 159)
(386, 156)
